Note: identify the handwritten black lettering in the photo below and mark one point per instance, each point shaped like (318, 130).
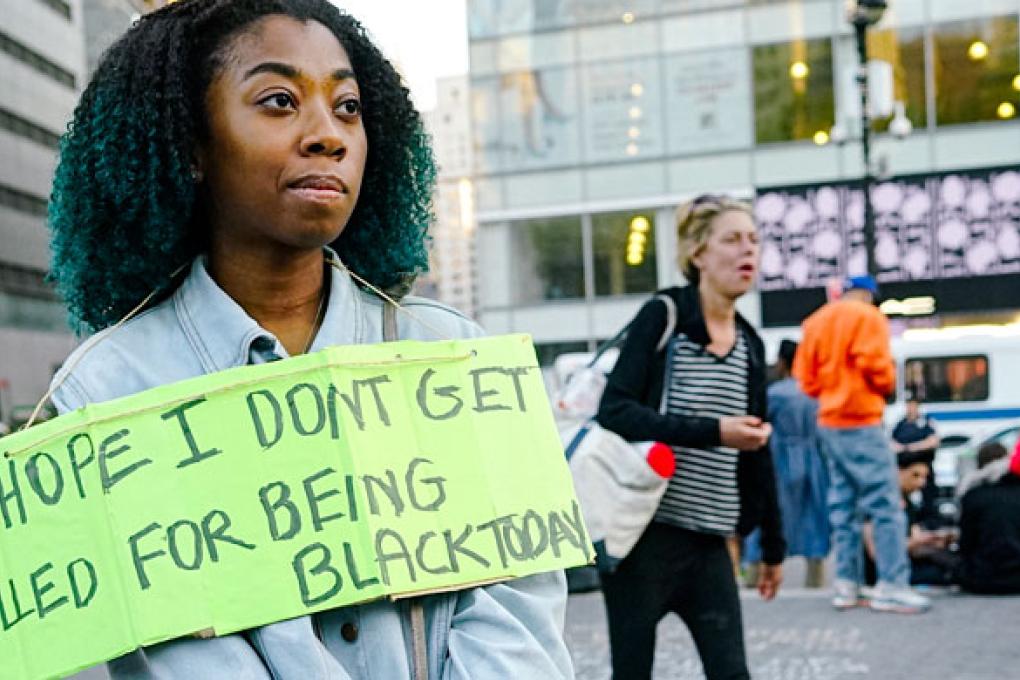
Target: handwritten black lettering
(106, 455)
(78, 465)
(265, 440)
(494, 525)
(81, 601)
(315, 498)
(532, 525)
(219, 533)
(384, 557)
(447, 392)
(11, 494)
(195, 454)
(7, 621)
(437, 483)
(352, 569)
(39, 590)
(419, 555)
(272, 508)
(455, 546)
(295, 413)
(481, 395)
(35, 479)
(321, 568)
(388, 487)
(139, 559)
(175, 545)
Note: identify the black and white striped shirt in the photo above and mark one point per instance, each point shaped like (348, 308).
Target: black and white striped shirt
(703, 494)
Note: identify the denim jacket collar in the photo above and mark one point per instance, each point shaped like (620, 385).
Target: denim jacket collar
(224, 336)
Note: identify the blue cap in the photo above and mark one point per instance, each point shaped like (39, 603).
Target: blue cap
(866, 282)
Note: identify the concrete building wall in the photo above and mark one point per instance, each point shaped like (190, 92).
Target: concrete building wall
(42, 70)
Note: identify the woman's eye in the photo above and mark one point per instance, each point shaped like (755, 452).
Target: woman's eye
(349, 107)
(279, 100)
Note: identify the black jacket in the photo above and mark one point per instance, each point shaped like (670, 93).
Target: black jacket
(630, 408)
(990, 538)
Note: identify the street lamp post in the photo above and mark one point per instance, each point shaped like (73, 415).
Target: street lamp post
(863, 14)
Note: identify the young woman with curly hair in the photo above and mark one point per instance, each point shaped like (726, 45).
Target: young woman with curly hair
(241, 158)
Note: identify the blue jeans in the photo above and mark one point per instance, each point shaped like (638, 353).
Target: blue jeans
(863, 484)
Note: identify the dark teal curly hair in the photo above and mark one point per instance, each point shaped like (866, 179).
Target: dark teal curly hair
(125, 213)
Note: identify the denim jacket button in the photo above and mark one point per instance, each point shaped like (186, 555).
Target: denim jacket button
(349, 632)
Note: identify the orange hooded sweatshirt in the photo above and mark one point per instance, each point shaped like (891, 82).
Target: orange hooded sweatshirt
(844, 361)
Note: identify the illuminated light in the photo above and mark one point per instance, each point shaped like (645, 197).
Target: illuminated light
(636, 237)
(635, 112)
(633, 248)
(1005, 110)
(914, 306)
(628, 17)
(977, 50)
(637, 89)
(635, 260)
(821, 138)
(1016, 83)
(641, 223)
(634, 132)
(632, 149)
(799, 70)
(1009, 330)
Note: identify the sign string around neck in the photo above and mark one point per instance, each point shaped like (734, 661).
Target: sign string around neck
(96, 339)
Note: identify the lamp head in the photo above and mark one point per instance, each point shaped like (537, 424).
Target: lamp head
(865, 12)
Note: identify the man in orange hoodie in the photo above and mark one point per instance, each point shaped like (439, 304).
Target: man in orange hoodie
(844, 361)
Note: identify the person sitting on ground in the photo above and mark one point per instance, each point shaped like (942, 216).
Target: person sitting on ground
(990, 524)
(915, 434)
(931, 561)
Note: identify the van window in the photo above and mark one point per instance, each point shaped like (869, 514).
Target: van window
(950, 378)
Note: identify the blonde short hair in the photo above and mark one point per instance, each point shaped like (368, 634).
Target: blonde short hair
(694, 226)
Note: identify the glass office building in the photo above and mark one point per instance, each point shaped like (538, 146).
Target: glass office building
(593, 119)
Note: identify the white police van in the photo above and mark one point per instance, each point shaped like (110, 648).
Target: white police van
(967, 380)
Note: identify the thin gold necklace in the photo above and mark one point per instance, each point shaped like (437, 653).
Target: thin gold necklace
(318, 318)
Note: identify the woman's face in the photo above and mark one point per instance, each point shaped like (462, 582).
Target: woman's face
(728, 263)
(286, 150)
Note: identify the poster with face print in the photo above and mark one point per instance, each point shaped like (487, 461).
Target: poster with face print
(943, 226)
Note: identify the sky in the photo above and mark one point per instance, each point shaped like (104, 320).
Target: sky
(425, 39)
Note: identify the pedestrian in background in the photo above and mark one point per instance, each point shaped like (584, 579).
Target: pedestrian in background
(915, 435)
(712, 378)
(801, 474)
(990, 523)
(846, 363)
(226, 155)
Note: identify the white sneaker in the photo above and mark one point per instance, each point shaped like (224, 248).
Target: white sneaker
(845, 594)
(898, 599)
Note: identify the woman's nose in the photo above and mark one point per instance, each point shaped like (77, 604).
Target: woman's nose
(324, 136)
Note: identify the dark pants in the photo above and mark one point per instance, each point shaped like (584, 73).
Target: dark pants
(675, 570)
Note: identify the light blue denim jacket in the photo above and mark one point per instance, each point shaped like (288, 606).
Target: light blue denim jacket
(509, 630)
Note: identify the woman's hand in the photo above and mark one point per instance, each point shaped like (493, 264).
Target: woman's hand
(770, 577)
(744, 433)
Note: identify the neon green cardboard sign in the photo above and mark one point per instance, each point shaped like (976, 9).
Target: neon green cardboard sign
(267, 492)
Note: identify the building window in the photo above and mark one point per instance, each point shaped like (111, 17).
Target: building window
(22, 201)
(548, 259)
(977, 64)
(951, 378)
(36, 60)
(904, 50)
(27, 129)
(793, 91)
(624, 245)
(61, 7)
